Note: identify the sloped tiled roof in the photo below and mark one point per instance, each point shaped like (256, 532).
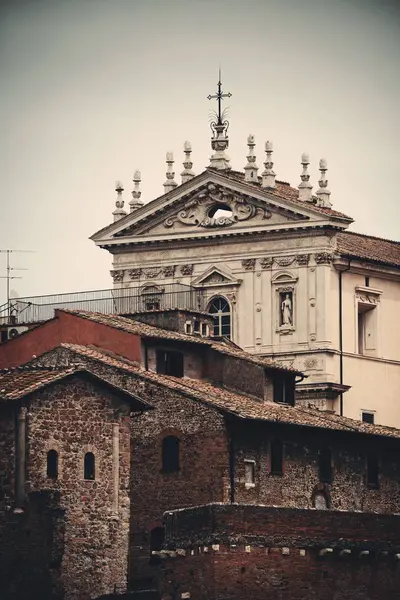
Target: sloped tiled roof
(236, 404)
(150, 331)
(19, 382)
(367, 247)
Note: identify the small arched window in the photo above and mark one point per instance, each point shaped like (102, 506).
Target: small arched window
(170, 454)
(52, 464)
(221, 312)
(325, 465)
(89, 466)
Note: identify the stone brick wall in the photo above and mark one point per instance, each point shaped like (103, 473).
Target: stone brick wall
(235, 374)
(192, 359)
(240, 552)
(73, 417)
(7, 455)
(299, 483)
(174, 320)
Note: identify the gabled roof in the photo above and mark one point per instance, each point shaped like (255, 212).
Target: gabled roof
(238, 405)
(231, 179)
(150, 331)
(367, 247)
(19, 382)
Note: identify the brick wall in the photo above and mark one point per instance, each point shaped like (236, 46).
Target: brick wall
(240, 552)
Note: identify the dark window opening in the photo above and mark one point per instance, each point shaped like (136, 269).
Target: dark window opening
(368, 417)
(284, 389)
(152, 305)
(276, 457)
(196, 326)
(169, 363)
(367, 282)
(4, 336)
(372, 472)
(89, 466)
(170, 454)
(204, 331)
(156, 543)
(325, 466)
(221, 313)
(52, 464)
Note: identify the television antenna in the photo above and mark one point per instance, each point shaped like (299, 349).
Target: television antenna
(9, 274)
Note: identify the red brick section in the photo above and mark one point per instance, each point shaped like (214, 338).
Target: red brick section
(69, 328)
(266, 553)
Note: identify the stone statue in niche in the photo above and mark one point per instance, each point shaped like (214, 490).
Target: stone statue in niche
(286, 309)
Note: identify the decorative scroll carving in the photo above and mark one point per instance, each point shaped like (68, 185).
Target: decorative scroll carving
(169, 271)
(117, 275)
(303, 259)
(323, 258)
(187, 269)
(284, 261)
(151, 272)
(248, 264)
(135, 273)
(200, 209)
(266, 262)
(371, 298)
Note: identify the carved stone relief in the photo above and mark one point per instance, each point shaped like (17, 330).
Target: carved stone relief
(248, 264)
(323, 258)
(135, 273)
(284, 261)
(266, 263)
(117, 275)
(169, 271)
(200, 209)
(187, 269)
(303, 259)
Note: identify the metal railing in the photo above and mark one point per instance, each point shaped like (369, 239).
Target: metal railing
(112, 301)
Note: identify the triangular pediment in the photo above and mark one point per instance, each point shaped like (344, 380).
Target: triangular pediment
(215, 276)
(194, 210)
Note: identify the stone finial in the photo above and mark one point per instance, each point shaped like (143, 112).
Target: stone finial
(169, 184)
(251, 169)
(268, 175)
(187, 173)
(305, 186)
(119, 211)
(219, 143)
(136, 202)
(323, 193)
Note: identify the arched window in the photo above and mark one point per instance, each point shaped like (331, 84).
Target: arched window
(89, 466)
(320, 501)
(156, 543)
(221, 312)
(170, 454)
(52, 464)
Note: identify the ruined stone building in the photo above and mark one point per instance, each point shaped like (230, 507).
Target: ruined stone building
(151, 462)
(221, 425)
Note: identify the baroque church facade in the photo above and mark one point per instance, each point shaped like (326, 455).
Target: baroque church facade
(277, 269)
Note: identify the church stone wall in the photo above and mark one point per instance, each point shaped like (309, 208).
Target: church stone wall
(300, 483)
(74, 417)
(265, 553)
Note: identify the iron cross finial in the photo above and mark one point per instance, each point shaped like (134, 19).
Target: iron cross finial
(219, 95)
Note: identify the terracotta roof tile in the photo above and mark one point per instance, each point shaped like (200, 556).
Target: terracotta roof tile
(150, 331)
(366, 247)
(239, 405)
(18, 382)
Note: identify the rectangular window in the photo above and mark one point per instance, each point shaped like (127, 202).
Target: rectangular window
(325, 465)
(284, 389)
(276, 457)
(372, 471)
(188, 327)
(250, 473)
(196, 326)
(169, 363)
(368, 417)
(367, 329)
(204, 329)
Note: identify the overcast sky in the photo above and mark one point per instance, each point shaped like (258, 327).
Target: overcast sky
(93, 89)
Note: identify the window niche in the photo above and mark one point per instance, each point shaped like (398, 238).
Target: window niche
(367, 306)
(170, 454)
(89, 467)
(52, 464)
(249, 473)
(284, 291)
(152, 296)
